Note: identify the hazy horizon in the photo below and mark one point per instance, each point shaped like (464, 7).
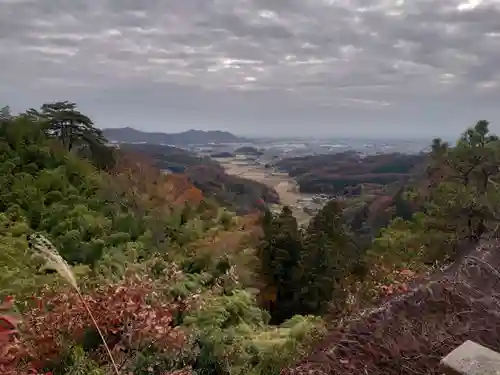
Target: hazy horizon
(317, 137)
(347, 68)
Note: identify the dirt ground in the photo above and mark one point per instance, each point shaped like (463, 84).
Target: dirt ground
(284, 185)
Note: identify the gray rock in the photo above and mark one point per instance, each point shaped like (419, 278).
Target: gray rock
(471, 359)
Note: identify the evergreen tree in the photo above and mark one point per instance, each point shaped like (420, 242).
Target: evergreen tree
(67, 123)
(465, 201)
(5, 113)
(280, 256)
(437, 161)
(460, 203)
(328, 256)
(76, 131)
(305, 270)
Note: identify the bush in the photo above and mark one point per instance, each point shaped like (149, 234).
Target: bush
(129, 314)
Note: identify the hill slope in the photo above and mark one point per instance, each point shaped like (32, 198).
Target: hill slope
(415, 330)
(147, 274)
(239, 194)
(349, 172)
(372, 187)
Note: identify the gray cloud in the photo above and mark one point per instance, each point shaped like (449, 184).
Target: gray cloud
(347, 67)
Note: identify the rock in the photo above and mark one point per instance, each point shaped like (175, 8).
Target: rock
(471, 359)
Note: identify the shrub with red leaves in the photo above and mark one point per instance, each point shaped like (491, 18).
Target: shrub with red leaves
(11, 350)
(129, 314)
(8, 328)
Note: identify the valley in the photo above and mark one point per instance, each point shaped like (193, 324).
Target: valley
(284, 185)
(171, 247)
(250, 187)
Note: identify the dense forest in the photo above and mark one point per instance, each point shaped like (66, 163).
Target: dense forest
(109, 266)
(349, 172)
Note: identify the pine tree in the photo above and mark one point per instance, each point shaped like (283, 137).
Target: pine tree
(465, 201)
(5, 113)
(67, 123)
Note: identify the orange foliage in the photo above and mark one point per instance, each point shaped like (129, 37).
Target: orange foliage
(246, 234)
(382, 284)
(220, 242)
(181, 191)
(10, 348)
(250, 220)
(136, 176)
(250, 225)
(397, 282)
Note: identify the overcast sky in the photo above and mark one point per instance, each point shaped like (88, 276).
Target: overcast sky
(270, 67)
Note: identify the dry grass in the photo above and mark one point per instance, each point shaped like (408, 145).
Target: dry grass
(411, 333)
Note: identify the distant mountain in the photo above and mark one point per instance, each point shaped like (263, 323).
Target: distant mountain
(130, 135)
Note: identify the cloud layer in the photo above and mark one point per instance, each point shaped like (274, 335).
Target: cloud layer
(361, 67)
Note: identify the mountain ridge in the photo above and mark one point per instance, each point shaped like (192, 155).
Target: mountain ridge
(192, 136)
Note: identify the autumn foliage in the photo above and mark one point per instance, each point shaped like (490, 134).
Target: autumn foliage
(10, 349)
(129, 313)
(166, 282)
(164, 274)
(135, 173)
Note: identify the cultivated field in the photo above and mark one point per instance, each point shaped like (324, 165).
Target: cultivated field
(284, 185)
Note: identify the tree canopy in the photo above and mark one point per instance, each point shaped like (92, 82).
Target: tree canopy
(157, 265)
(118, 268)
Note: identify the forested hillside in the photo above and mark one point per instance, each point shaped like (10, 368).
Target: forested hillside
(238, 194)
(458, 200)
(373, 188)
(109, 266)
(110, 250)
(348, 172)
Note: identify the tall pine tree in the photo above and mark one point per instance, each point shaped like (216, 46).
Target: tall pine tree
(327, 257)
(464, 200)
(280, 256)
